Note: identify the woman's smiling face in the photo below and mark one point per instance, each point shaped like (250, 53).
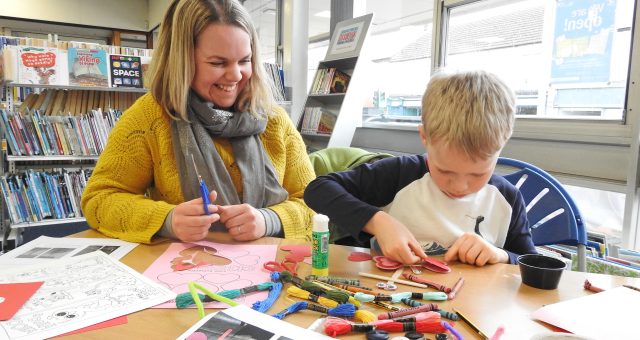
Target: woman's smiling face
(222, 64)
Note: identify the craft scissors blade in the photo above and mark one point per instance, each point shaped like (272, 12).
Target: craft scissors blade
(204, 191)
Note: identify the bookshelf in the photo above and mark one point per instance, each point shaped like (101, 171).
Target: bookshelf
(42, 184)
(333, 108)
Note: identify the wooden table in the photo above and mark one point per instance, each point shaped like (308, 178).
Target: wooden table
(491, 296)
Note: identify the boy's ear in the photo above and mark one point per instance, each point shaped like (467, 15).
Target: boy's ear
(423, 137)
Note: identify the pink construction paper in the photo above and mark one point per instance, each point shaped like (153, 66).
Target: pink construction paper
(244, 268)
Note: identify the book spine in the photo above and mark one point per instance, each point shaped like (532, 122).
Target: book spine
(17, 134)
(9, 200)
(37, 126)
(8, 132)
(31, 134)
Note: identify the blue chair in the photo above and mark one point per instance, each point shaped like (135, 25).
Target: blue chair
(553, 216)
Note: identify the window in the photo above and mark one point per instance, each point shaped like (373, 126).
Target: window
(568, 63)
(563, 58)
(399, 46)
(263, 13)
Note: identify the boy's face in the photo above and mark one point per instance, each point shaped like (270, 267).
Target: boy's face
(454, 172)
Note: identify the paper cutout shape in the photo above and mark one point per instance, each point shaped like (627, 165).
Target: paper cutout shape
(14, 296)
(297, 253)
(433, 265)
(358, 256)
(198, 256)
(386, 263)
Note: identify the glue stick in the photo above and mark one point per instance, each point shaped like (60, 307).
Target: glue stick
(320, 254)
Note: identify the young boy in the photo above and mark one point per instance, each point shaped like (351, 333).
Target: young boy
(447, 201)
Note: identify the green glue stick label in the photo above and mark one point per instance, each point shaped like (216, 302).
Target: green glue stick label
(320, 254)
(320, 249)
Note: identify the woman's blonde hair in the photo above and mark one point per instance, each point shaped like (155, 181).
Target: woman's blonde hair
(471, 110)
(173, 65)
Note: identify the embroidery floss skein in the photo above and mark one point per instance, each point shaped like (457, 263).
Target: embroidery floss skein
(334, 326)
(184, 300)
(346, 310)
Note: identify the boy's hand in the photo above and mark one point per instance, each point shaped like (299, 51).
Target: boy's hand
(244, 222)
(189, 223)
(471, 248)
(396, 241)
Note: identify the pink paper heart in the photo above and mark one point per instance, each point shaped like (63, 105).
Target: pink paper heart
(297, 253)
(386, 263)
(358, 256)
(295, 257)
(435, 266)
(305, 251)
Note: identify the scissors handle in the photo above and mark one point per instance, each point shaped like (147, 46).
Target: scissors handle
(204, 191)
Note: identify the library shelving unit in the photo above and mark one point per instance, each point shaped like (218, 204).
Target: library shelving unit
(11, 164)
(333, 108)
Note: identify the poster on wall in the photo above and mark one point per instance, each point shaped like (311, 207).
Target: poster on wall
(582, 44)
(348, 37)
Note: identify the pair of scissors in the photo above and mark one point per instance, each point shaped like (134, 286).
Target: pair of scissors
(288, 265)
(204, 191)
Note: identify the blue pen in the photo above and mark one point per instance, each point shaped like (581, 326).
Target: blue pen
(204, 191)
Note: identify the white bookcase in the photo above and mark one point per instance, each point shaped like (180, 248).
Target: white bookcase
(345, 53)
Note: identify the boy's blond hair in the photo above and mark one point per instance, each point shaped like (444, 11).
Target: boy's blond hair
(173, 64)
(470, 110)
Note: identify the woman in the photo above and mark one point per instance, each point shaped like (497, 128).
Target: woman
(210, 104)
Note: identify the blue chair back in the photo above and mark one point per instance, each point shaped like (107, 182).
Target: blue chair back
(553, 216)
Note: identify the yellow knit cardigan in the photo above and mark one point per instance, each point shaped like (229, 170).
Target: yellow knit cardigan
(135, 182)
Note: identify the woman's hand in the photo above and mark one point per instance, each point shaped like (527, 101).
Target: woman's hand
(395, 240)
(244, 222)
(189, 223)
(471, 248)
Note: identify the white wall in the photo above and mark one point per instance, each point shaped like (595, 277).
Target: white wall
(121, 14)
(156, 11)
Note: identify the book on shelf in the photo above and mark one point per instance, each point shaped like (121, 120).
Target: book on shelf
(326, 122)
(33, 133)
(38, 65)
(125, 71)
(33, 196)
(330, 80)
(276, 75)
(339, 82)
(88, 67)
(318, 120)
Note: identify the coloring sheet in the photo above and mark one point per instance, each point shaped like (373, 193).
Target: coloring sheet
(78, 292)
(215, 266)
(44, 249)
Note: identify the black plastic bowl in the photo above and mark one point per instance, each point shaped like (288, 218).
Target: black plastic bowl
(540, 271)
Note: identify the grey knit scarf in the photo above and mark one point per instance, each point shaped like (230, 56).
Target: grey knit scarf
(259, 179)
